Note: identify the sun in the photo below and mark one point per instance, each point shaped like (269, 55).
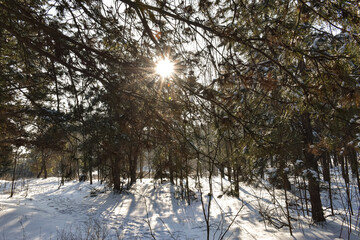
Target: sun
(164, 67)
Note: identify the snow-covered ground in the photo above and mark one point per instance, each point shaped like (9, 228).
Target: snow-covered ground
(41, 210)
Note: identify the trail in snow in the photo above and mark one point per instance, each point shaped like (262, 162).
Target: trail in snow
(41, 210)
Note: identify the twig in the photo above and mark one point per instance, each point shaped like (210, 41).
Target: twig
(167, 229)
(232, 221)
(148, 220)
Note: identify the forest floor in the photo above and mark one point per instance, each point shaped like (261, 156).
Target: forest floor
(150, 210)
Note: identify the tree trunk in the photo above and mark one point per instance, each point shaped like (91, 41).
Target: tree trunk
(325, 160)
(181, 183)
(45, 170)
(90, 169)
(237, 180)
(222, 176)
(90, 175)
(13, 177)
(312, 166)
(62, 169)
(85, 166)
(354, 165)
(187, 180)
(171, 169)
(344, 173)
(116, 174)
(298, 183)
(78, 167)
(330, 197)
(98, 176)
(198, 166)
(305, 196)
(285, 180)
(43, 165)
(348, 185)
(141, 163)
(228, 161)
(133, 164)
(336, 159)
(41, 170)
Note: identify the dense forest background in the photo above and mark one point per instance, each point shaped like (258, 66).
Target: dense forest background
(261, 90)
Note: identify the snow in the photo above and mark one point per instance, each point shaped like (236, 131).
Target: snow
(342, 49)
(41, 210)
(271, 170)
(299, 162)
(311, 172)
(314, 44)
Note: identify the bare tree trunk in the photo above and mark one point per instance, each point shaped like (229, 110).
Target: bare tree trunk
(237, 180)
(330, 197)
(133, 157)
(98, 170)
(305, 196)
(285, 179)
(45, 170)
(336, 161)
(90, 157)
(116, 174)
(198, 166)
(77, 160)
(43, 165)
(297, 181)
(62, 169)
(228, 161)
(90, 175)
(325, 160)
(141, 158)
(187, 180)
(348, 187)
(181, 183)
(13, 176)
(311, 164)
(354, 165)
(327, 176)
(344, 173)
(210, 195)
(41, 170)
(221, 169)
(171, 168)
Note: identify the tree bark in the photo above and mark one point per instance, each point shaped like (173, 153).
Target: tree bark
(13, 176)
(354, 165)
(237, 180)
(62, 168)
(312, 166)
(116, 174)
(90, 169)
(228, 161)
(43, 165)
(325, 160)
(171, 168)
(133, 163)
(141, 163)
(344, 171)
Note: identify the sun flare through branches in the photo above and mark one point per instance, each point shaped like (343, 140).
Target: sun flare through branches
(164, 67)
